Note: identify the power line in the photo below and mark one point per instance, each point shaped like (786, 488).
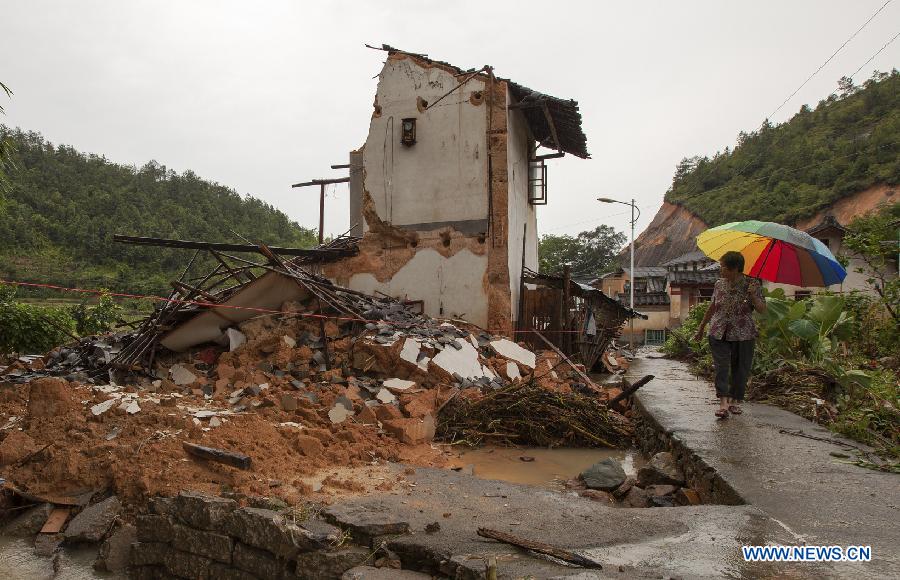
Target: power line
(803, 84)
(871, 58)
(596, 220)
(821, 66)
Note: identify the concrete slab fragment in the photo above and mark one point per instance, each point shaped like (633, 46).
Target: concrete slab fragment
(398, 385)
(385, 396)
(464, 361)
(235, 338)
(510, 349)
(181, 376)
(103, 407)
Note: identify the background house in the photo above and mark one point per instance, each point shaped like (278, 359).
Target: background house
(831, 232)
(689, 280)
(650, 299)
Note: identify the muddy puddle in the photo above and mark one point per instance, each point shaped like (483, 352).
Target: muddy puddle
(19, 562)
(549, 468)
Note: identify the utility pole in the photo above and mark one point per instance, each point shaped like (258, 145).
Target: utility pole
(322, 183)
(634, 208)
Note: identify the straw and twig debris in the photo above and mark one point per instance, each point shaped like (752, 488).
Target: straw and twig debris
(528, 414)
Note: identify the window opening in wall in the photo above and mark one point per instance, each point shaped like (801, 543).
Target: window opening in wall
(537, 182)
(704, 294)
(654, 337)
(802, 294)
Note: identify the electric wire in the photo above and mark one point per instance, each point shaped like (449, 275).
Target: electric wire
(871, 58)
(763, 124)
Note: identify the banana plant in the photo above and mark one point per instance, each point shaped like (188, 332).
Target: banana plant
(810, 332)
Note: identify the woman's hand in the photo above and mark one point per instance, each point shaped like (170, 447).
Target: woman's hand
(698, 336)
(756, 303)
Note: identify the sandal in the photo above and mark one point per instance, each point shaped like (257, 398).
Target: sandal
(734, 410)
(722, 413)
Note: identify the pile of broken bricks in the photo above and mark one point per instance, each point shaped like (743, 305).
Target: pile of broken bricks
(276, 396)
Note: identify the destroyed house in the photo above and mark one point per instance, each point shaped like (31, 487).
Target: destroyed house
(444, 192)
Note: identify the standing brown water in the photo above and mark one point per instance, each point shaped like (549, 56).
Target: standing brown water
(550, 468)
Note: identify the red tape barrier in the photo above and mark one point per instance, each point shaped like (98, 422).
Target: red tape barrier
(215, 305)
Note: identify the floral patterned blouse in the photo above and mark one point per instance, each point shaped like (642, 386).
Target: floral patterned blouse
(733, 318)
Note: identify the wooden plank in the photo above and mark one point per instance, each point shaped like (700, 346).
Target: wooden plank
(540, 547)
(56, 520)
(195, 245)
(552, 125)
(322, 182)
(578, 371)
(630, 390)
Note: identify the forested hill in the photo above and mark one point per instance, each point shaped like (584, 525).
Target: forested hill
(63, 206)
(785, 173)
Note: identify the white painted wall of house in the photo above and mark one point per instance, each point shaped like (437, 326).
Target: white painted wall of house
(443, 177)
(520, 212)
(450, 287)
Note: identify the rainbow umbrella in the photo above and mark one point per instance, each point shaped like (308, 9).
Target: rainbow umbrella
(774, 252)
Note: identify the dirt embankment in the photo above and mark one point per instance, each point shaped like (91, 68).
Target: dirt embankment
(671, 234)
(674, 228)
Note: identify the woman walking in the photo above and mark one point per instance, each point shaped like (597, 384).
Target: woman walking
(732, 331)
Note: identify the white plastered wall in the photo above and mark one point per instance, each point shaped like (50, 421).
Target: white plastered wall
(521, 213)
(443, 176)
(438, 182)
(450, 287)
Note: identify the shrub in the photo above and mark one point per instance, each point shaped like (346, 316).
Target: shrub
(680, 343)
(29, 328)
(97, 319)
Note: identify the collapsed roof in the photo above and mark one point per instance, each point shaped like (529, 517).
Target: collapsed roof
(553, 122)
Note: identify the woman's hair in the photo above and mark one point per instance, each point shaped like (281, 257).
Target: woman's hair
(733, 261)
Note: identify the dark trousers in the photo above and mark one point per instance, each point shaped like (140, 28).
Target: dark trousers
(732, 358)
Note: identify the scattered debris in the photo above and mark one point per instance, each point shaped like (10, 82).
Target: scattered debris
(56, 520)
(305, 374)
(526, 413)
(232, 458)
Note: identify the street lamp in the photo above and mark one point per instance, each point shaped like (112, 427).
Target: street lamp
(634, 208)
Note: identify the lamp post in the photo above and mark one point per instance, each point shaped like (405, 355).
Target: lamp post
(634, 208)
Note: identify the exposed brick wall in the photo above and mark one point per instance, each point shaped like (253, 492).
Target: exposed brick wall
(204, 537)
(652, 438)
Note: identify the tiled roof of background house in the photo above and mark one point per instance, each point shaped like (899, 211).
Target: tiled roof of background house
(649, 272)
(685, 277)
(695, 256)
(644, 298)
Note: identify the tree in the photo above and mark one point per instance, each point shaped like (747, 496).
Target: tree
(590, 253)
(62, 207)
(844, 145)
(874, 238)
(6, 150)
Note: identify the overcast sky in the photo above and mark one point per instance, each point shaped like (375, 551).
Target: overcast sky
(259, 95)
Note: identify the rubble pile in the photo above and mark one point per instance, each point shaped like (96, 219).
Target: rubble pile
(279, 398)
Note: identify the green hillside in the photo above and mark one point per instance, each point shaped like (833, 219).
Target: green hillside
(63, 206)
(784, 173)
